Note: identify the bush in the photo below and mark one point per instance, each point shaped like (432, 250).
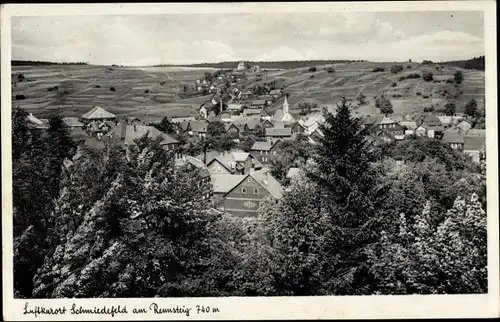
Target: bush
(459, 77)
(413, 75)
(427, 62)
(312, 69)
(97, 86)
(425, 96)
(397, 95)
(418, 93)
(50, 89)
(163, 83)
(402, 78)
(20, 97)
(330, 70)
(378, 69)
(312, 76)
(427, 76)
(112, 89)
(396, 69)
(146, 91)
(429, 109)
(408, 66)
(394, 85)
(20, 77)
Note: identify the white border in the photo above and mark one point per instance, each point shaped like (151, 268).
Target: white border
(278, 307)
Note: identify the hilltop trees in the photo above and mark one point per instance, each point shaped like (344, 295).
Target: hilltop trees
(450, 108)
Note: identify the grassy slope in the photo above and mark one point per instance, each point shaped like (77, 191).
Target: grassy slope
(324, 88)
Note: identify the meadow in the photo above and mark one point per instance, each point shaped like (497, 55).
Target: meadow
(155, 92)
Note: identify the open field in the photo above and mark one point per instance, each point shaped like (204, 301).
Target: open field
(88, 86)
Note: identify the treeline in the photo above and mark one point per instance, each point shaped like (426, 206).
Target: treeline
(129, 223)
(474, 63)
(42, 63)
(267, 64)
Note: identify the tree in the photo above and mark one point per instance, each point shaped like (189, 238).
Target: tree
(384, 104)
(448, 257)
(396, 69)
(307, 107)
(450, 108)
(165, 126)
(361, 99)
(458, 76)
(247, 142)
(471, 108)
(216, 128)
(147, 235)
(427, 76)
(342, 169)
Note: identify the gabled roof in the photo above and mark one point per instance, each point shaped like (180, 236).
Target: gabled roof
(227, 126)
(252, 123)
(249, 111)
(240, 156)
(98, 113)
(199, 126)
(387, 120)
(268, 182)
(278, 115)
(133, 132)
(453, 136)
(247, 92)
(223, 183)
(431, 120)
(235, 107)
(261, 146)
(38, 123)
(259, 102)
(272, 131)
(195, 163)
(72, 122)
(411, 125)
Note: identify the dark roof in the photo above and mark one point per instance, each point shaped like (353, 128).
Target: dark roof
(474, 143)
(453, 136)
(261, 146)
(199, 126)
(431, 120)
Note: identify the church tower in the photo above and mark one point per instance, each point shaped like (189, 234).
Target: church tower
(285, 106)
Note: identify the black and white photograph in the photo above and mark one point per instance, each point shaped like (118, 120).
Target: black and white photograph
(249, 154)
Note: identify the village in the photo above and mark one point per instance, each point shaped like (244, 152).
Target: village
(241, 179)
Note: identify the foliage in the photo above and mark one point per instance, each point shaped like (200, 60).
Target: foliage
(307, 107)
(165, 126)
(312, 69)
(474, 63)
(471, 108)
(450, 108)
(384, 104)
(427, 62)
(330, 70)
(458, 76)
(247, 142)
(427, 76)
(448, 257)
(396, 69)
(290, 154)
(378, 69)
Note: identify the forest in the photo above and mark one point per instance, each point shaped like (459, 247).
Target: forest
(268, 64)
(42, 63)
(473, 63)
(127, 222)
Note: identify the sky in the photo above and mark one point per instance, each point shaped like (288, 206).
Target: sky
(195, 38)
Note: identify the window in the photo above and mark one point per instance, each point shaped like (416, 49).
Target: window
(218, 168)
(267, 152)
(244, 191)
(256, 191)
(213, 168)
(249, 179)
(274, 152)
(260, 152)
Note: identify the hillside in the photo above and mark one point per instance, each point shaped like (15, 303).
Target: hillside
(166, 91)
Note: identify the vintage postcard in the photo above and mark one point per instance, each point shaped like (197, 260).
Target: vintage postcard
(249, 161)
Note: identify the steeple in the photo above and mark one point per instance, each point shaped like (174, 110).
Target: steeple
(285, 106)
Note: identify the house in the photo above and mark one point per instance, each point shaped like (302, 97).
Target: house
(276, 93)
(198, 128)
(429, 120)
(258, 104)
(98, 114)
(234, 107)
(232, 128)
(126, 134)
(241, 66)
(310, 125)
(233, 163)
(184, 127)
(99, 129)
(246, 94)
(435, 131)
(474, 143)
(264, 115)
(371, 122)
(37, 123)
(464, 125)
(264, 151)
(454, 138)
(408, 125)
(223, 183)
(266, 124)
(316, 136)
(225, 117)
(73, 123)
(296, 127)
(273, 134)
(252, 111)
(384, 136)
(245, 198)
(389, 125)
(268, 98)
(421, 131)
